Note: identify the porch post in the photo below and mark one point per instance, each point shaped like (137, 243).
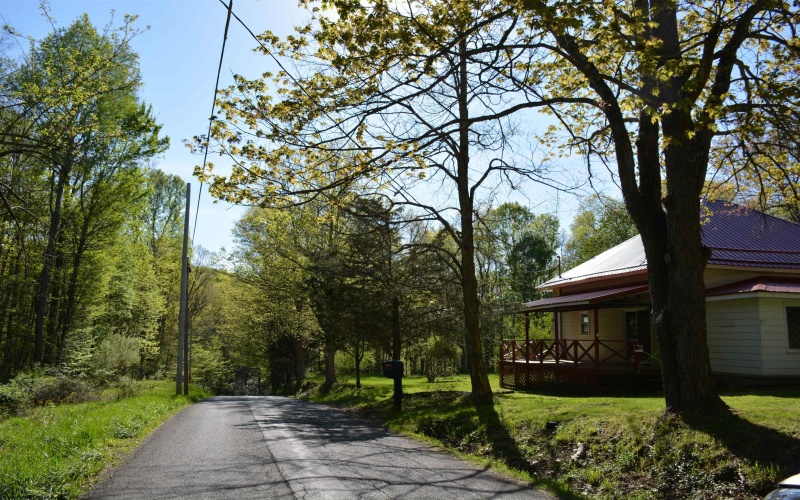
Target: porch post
(556, 336)
(596, 338)
(527, 336)
(556, 333)
(527, 347)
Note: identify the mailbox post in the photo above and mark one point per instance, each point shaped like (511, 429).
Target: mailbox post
(394, 369)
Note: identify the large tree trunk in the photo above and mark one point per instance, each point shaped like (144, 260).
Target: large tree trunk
(44, 279)
(676, 259)
(481, 390)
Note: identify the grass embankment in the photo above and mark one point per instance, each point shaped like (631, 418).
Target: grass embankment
(602, 447)
(54, 451)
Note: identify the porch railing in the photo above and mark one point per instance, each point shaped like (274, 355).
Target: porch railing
(597, 352)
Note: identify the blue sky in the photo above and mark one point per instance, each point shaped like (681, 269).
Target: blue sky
(178, 57)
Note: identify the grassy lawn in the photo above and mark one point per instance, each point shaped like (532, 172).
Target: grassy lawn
(55, 451)
(601, 447)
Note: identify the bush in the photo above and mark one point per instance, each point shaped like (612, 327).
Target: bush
(13, 399)
(439, 353)
(60, 390)
(115, 356)
(35, 388)
(126, 387)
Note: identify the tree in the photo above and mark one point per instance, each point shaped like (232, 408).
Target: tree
(515, 253)
(163, 233)
(601, 223)
(655, 86)
(275, 259)
(76, 96)
(396, 100)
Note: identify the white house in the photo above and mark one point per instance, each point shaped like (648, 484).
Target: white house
(601, 310)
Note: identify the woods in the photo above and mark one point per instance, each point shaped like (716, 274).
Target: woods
(77, 267)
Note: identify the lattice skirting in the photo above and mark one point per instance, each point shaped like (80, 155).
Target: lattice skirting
(564, 378)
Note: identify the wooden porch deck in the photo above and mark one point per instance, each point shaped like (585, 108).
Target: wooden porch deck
(578, 366)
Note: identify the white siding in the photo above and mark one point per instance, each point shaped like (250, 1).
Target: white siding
(734, 340)
(778, 359)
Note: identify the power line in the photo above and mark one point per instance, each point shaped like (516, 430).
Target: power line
(213, 108)
(291, 77)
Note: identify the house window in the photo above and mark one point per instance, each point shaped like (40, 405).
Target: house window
(585, 324)
(793, 326)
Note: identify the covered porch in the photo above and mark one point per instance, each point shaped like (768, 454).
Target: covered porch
(602, 342)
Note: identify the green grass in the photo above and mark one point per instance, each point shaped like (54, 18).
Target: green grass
(55, 451)
(630, 449)
(376, 388)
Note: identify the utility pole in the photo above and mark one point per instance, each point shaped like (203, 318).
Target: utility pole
(184, 294)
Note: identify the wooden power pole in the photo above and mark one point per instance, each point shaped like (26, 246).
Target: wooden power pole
(182, 347)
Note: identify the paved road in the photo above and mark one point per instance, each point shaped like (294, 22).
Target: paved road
(271, 447)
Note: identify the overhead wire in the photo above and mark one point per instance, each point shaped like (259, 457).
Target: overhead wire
(291, 77)
(213, 108)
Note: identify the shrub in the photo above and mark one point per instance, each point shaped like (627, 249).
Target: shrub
(13, 399)
(36, 388)
(60, 390)
(439, 353)
(115, 356)
(126, 387)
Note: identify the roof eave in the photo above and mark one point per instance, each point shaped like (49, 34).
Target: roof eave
(592, 279)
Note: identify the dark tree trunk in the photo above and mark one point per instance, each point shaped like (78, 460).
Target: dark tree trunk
(44, 279)
(481, 390)
(299, 355)
(358, 370)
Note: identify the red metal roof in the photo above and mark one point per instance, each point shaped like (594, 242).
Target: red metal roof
(587, 298)
(759, 284)
(736, 235)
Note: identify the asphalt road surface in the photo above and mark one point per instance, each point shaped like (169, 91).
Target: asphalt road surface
(272, 447)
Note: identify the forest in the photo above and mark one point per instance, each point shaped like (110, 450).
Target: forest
(375, 227)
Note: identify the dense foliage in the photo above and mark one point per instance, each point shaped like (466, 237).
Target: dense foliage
(86, 242)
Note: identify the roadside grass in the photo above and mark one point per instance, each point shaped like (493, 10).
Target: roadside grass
(601, 447)
(55, 451)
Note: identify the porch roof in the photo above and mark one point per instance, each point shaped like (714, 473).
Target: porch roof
(759, 284)
(582, 299)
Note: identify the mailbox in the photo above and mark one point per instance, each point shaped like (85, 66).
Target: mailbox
(393, 369)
